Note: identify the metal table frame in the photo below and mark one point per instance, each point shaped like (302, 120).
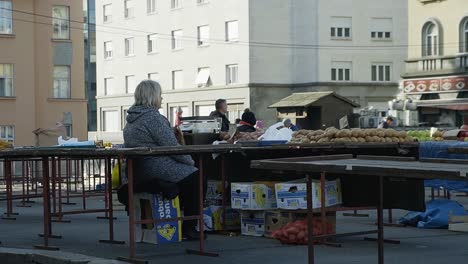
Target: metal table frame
(370, 166)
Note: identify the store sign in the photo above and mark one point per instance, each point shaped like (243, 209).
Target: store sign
(436, 85)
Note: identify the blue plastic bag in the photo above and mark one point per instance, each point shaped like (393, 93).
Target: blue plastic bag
(436, 214)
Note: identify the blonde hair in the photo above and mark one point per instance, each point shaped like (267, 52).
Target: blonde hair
(148, 93)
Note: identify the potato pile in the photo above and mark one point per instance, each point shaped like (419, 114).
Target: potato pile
(355, 135)
(296, 233)
(245, 136)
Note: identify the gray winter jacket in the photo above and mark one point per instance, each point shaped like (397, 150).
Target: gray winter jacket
(146, 127)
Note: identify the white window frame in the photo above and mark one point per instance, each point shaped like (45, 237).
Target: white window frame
(232, 79)
(334, 33)
(153, 73)
(431, 40)
(64, 89)
(381, 35)
(107, 13)
(203, 77)
(108, 50)
(208, 109)
(379, 72)
(177, 36)
(62, 24)
(7, 133)
(104, 120)
(203, 39)
(235, 36)
(235, 111)
(6, 17)
(124, 116)
(109, 88)
(176, 4)
(129, 9)
(7, 73)
(177, 84)
(129, 47)
(150, 6)
(464, 35)
(152, 43)
(341, 73)
(130, 84)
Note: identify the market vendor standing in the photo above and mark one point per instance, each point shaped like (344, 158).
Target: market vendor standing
(388, 123)
(221, 111)
(247, 123)
(287, 123)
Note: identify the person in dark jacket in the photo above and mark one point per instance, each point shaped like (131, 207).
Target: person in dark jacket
(221, 111)
(247, 123)
(387, 123)
(146, 127)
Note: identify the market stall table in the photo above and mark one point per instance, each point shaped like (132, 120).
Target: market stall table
(380, 167)
(49, 155)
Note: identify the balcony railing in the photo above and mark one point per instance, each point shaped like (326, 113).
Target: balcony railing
(457, 64)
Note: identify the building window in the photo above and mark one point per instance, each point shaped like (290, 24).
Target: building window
(176, 4)
(232, 75)
(340, 28)
(381, 72)
(110, 121)
(341, 71)
(107, 13)
(152, 43)
(431, 39)
(151, 6)
(177, 80)
(128, 6)
(232, 31)
(203, 110)
(6, 17)
(62, 82)
(6, 80)
(177, 39)
(124, 118)
(130, 84)
(235, 111)
(7, 133)
(173, 113)
(109, 86)
(108, 50)
(61, 22)
(154, 76)
(203, 77)
(381, 28)
(464, 35)
(68, 130)
(203, 35)
(129, 47)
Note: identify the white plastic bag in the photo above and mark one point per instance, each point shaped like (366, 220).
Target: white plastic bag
(277, 132)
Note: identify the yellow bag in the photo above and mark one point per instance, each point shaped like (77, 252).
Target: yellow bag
(115, 177)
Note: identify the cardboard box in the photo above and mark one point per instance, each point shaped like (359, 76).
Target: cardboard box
(214, 193)
(154, 206)
(278, 218)
(253, 223)
(213, 218)
(293, 196)
(253, 196)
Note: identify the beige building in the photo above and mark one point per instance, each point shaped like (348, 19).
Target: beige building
(41, 69)
(436, 76)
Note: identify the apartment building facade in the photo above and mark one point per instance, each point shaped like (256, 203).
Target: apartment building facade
(250, 52)
(436, 75)
(41, 69)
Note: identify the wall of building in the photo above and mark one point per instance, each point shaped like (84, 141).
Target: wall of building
(448, 13)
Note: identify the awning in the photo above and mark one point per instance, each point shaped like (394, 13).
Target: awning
(308, 99)
(457, 104)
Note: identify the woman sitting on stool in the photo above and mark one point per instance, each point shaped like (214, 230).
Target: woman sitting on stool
(173, 175)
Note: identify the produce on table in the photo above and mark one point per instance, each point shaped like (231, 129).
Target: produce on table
(245, 136)
(425, 135)
(5, 145)
(297, 233)
(378, 135)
